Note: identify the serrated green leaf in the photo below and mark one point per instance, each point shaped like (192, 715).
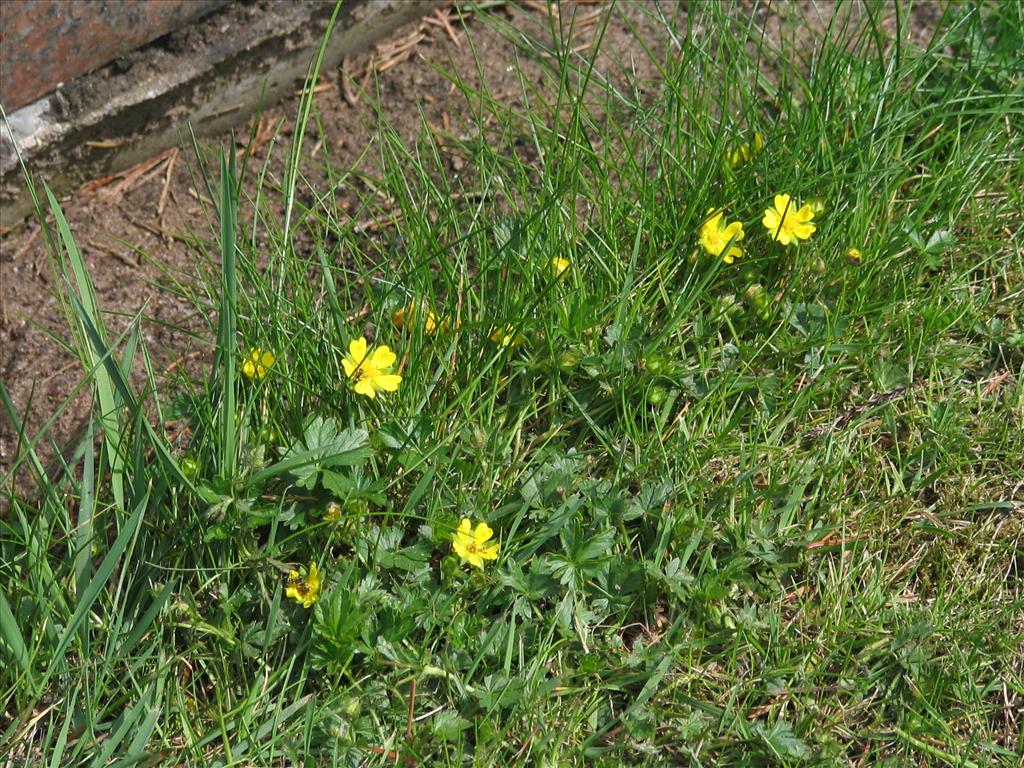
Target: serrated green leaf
(781, 740)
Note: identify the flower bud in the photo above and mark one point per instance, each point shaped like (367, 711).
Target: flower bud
(568, 360)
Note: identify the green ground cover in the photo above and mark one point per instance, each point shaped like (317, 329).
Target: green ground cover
(766, 512)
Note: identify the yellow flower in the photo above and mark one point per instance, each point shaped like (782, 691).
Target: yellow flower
(853, 255)
(304, 589)
(715, 238)
(370, 371)
(471, 545)
(257, 363)
(558, 265)
(744, 152)
(407, 313)
(787, 224)
(506, 335)
(333, 512)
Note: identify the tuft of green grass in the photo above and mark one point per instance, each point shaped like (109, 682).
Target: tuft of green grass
(761, 513)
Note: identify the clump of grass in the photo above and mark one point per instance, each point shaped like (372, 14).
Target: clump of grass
(765, 512)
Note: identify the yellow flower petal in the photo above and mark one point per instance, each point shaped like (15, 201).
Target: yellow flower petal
(734, 230)
(472, 545)
(787, 223)
(721, 241)
(407, 314)
(357, 349)
(257, 362)
(387, 381)
(365, 387)
(430, 323)
(370, 370)
(304, 589)
(805, 214)
(804, 231)
(505, 336)
(398, 317)
(558, 265)
(382, 357)
(483, 533)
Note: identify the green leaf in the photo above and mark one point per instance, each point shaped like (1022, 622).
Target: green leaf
(10, 633)
(498, 692)
(338, 484)
(93, 356)
(941, 240)
(322, 445)
(782, 741)
(448, 725)
(99, 580)
(227, 342)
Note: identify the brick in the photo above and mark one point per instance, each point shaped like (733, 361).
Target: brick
(47, 42)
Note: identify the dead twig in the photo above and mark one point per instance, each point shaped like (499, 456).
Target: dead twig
(136, 174)
(850, 414)
(27, 244)
(443, 21)
(104, 248)
(993, 384)
(348, 76)
(526, 743)
(401, 52)
(154, 229)
(105, 143)
(538, 6)
(412, 709)
(264, 134)
(588, 19)
(181, 360)
(391, 754)
(162, 204)
(92, 186)
(375, 225)
(318, 89)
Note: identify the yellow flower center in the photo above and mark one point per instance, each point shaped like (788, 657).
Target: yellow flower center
(299, 585)
(718, 240)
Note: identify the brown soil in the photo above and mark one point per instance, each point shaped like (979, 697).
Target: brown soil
(152, 210)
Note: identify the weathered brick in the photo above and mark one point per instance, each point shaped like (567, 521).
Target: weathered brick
(46, 42)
